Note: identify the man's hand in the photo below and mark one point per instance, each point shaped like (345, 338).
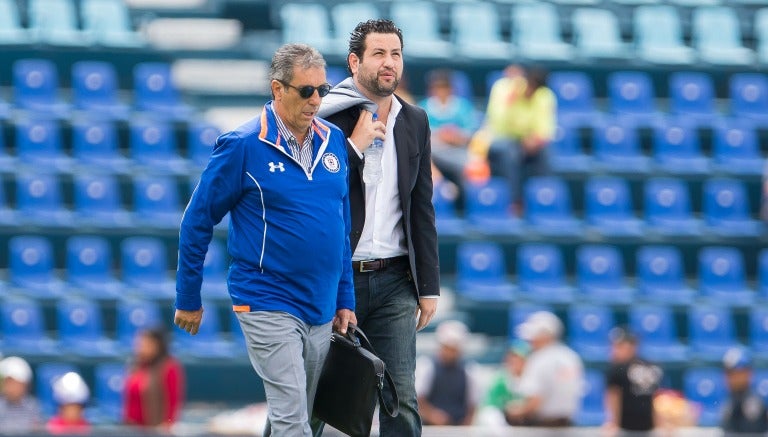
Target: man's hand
(366, 130)
(188, 320)
(342, 319)
(425, 312)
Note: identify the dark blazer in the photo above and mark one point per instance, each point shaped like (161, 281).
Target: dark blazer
(414, 182)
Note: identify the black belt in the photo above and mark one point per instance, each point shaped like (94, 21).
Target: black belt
(372, 265)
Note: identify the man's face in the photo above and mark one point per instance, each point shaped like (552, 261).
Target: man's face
(622, 351)
(14, 390)
(295, 111)
(380, 69)
(738, 379)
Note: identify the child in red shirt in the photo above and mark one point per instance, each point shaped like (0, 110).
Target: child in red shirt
(71, 394)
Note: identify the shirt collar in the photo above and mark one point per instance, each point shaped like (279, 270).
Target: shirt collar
(286, 133)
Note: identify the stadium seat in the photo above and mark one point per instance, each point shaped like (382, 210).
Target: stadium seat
(481, 272)
(39, 200)
(209, 342)
(631, 96)
(706, 388)
(144, 268)
(660, 275)
(153, 147)
(95, 147)
(31, 267)
(736, 149)
(659, 35)
(588, 327)
(722, 278)
(154, 90)
(575, 97)
(36, 87)
(727, 208)
(536, 32)
(55, 22)
(81, 330)
(39, 146)
(656, 330)
(488, 207)
(134, 316)
(721, 47)
(592, 411)
(476, 32)
(156, 201)
(23, 330)
(596, 34)
(668, 207)
(215, 269)
(421, 28)
(711, 332)
(7, 162)
(616, 147)
(95, 88)
(761, 34)
(748, 94)
(201, 139)
(306, 23)
(541, 274)
(762, 274)
(12, 32)
(97, 202)
(89, 267)
(566, 153)
(108, 23)
(692, 95)
(108, 388)
(600, 275)
(345, 17)
(8, 216)
(45, 375)
(608, 207)
(677, 148)
(447, 220)
(760, 383)
(548, 210)
(758, 331)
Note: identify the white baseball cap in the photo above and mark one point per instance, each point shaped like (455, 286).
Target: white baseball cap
(540, 323)
(70, 389)
(16, 368)
(451, 333)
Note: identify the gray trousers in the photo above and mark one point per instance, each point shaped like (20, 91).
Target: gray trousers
(288, 355)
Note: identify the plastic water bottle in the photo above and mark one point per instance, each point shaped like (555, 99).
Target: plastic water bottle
(372, 162)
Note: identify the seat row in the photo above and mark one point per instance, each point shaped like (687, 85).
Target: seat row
(609, 209)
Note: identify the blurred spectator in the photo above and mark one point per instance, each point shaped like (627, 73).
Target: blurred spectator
(553, 377)
(154, 387)
(520, 119)
(71, 394)
(745, 411)
(764, 197)
(19, 412)
(504, 390)
(445, 387)
(403, 90)
(631, 384)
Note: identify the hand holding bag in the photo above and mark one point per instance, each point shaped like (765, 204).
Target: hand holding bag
(351, 381)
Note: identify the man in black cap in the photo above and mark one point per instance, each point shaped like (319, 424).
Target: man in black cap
(744, 412)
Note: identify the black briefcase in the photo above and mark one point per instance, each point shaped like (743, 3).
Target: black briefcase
(350, 383)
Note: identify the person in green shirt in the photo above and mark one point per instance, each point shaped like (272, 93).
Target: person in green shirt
(503, 390)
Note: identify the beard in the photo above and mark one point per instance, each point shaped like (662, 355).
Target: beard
(372, 84)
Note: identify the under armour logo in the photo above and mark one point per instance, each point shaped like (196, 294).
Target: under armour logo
(278, 166)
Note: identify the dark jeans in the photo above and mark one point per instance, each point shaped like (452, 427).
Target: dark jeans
(507, 160)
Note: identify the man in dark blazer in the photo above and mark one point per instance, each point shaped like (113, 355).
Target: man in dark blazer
(393, 235)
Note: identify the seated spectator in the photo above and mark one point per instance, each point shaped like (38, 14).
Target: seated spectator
(445, 387)
(154, 387)
(19, 412)
(504, 391)
(71, 394)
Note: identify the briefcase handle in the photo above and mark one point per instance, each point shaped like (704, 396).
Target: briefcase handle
(357, 335)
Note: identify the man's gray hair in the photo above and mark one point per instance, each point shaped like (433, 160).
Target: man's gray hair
(294, 55)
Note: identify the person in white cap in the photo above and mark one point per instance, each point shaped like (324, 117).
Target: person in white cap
(445, 389)
(19, 412)
(71, 394)
(553, 378)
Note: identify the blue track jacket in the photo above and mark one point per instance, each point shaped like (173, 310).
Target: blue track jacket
(289, 229)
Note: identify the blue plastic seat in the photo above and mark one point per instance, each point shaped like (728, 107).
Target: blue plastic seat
(200, 143)
(762, 274)
(7, 162)
(706, 388)
(758, 331)
(597, 34)
(108, 391)
(345, 17)
(537, 33)
(55, 22)
(548, 208)
(482, 273)
(616, 147)
(39, 200)
(31, 267)
(761, 34)
(600, 274)
(144, 266)
(726, 208)
(81, 330)
(89, 267)
(748, 93)
(592, 411)
(692, 94)
(488, 207)
(97, 202)
(668, 207)
(721, 47)
(656, 329)
(209, 342)
(45, 375)
(36, 87)
(588, 328)
(722, 277)
(39, 146)
(307, 23)
(760, 383)
(421, 28)
(447, 220)
(156, 201)
(215, 269)
(8, 216)
(608, 207)
(12, 32)
(95, 147)
(736, 149)
(24, 329)
(95, 88)
(631, 95)
(575, 97)
(567, 154)
(711, 332)
(660, 275)
(659, 35)
(677, 148)
(155, 91)
(134, 316)
(108, 23)
(541, 274)
(476, 32)
(153, 147)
